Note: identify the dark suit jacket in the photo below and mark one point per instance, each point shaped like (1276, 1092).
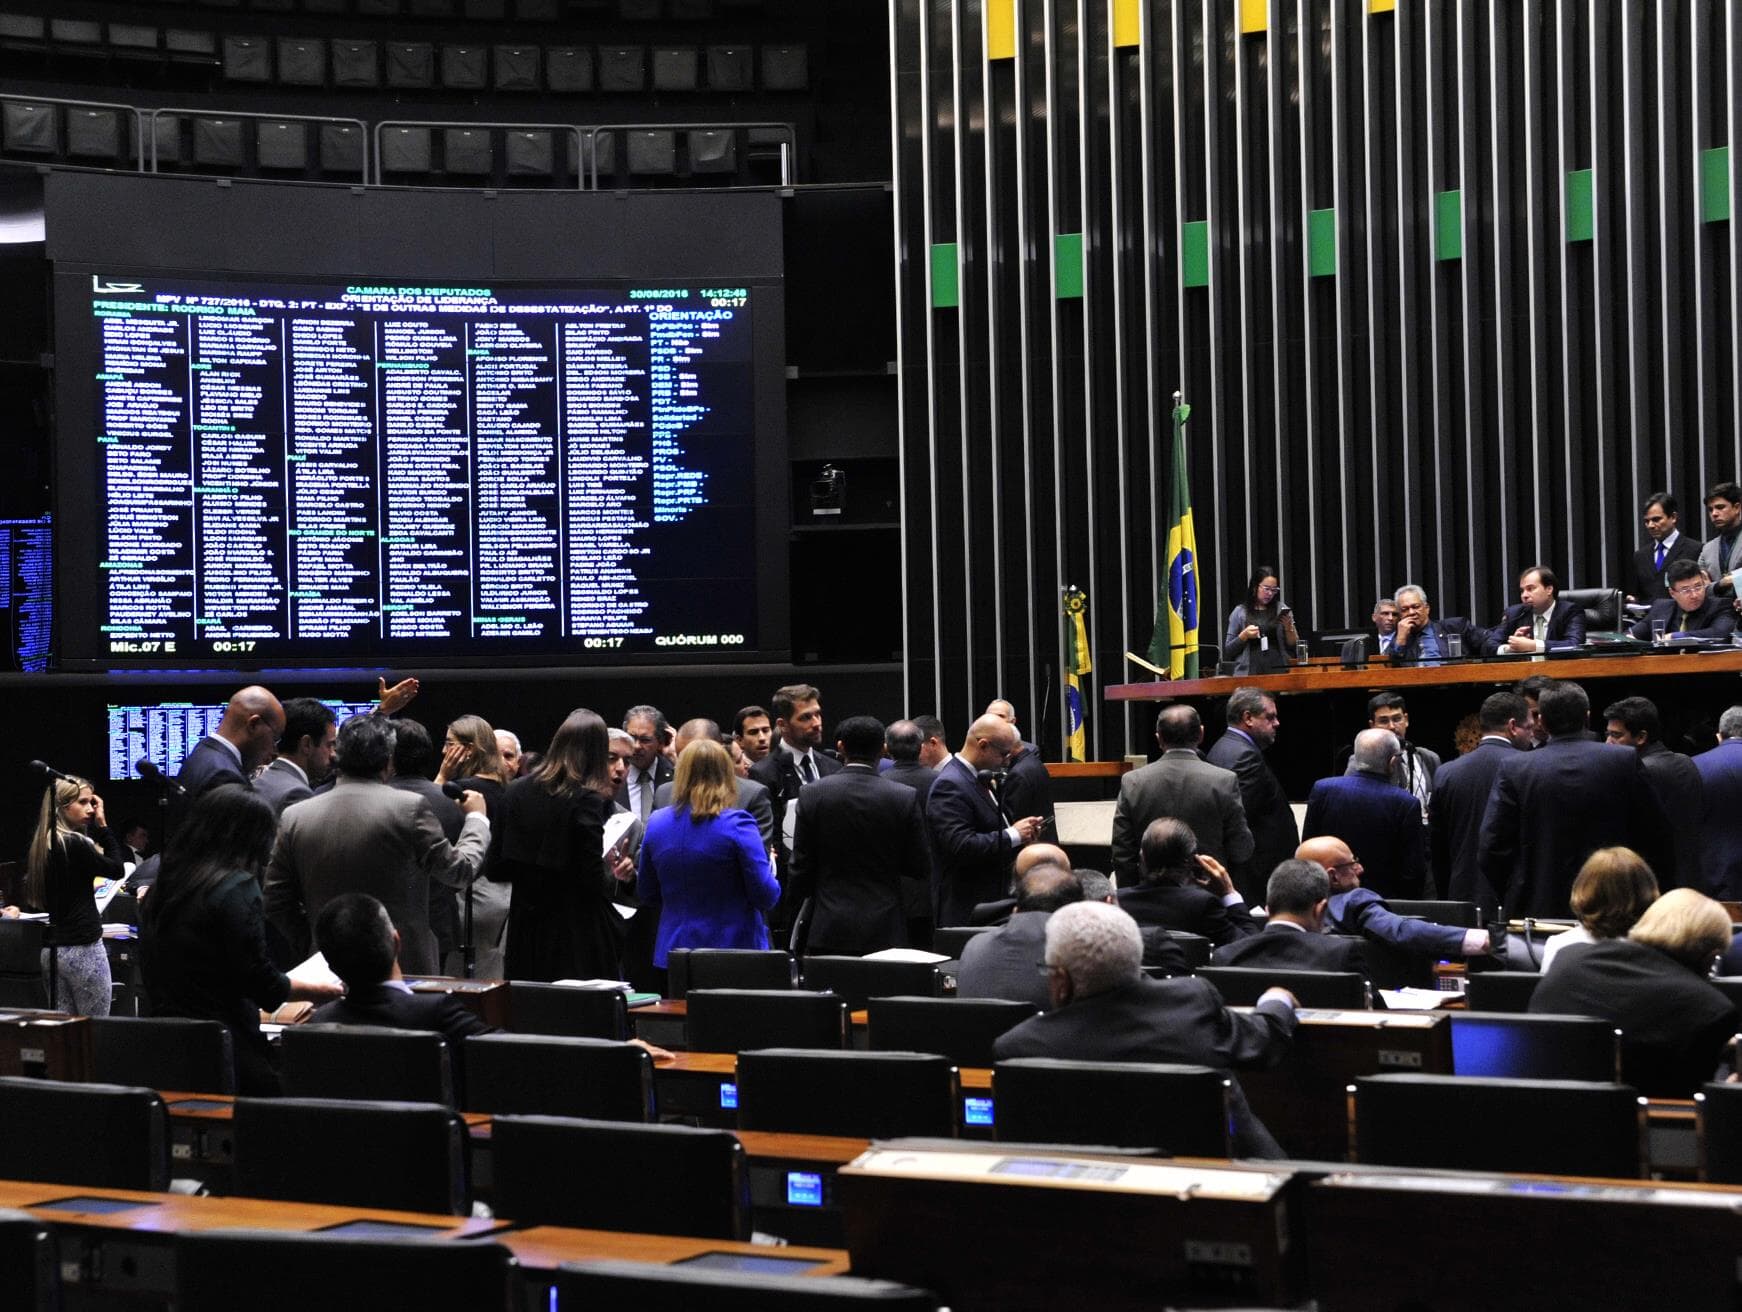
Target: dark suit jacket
(1173, 1020)
(1648, 584)
(1027, 788)
(1477, 641)
(858, 836)
(1681, 792)
(1362, 911)
(1714, 620)
(1006, 962)
(1185, 786)
(282, 784)
(778, 773)
(1187, 907)
(1461, 791)
(1285, 947)
(918, 777)
(1721, 818)
(1551, 808)
(209, 765)
(971, 849)
(662, 775)
(1268, 814)
(1380, 822)
(916, 894)
(1566, 625)
(379, 1004)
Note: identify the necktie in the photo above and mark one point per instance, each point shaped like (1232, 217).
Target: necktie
(1681, 620)
(1660, 556)
(645, 802)
(807, 771)
(1539, 628)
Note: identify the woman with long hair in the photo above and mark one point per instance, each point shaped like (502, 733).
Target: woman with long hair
(703, 862)
(472, 759)
(203, 930)
(548, 844)
(1261, 633)
(71, 849)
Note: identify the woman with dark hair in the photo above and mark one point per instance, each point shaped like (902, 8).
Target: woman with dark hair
(71, 848)
(1261, 634)
(203, 931)
(548, 843)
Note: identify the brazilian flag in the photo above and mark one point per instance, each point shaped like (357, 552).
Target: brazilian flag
(1175, 644)
(1076, 608)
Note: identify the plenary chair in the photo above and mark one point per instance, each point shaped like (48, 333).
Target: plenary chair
(293, 1272)
(728, 1282)
(540, 1075)
(858, 980)
(728, 968)
(409, 1156)
(731, 1020)
(1241, 986)
(877, 1095)
(952, 939)
(1731, 988)
(1602, 607)
(1501, 990)
(107, 1135)
(163, 1052)
(962, 1029)
(1718, 1117)
(1552, 1127)
(366, 1061)
(1465, 915)
(21, 982)
(1196, 947)
(611, 1175)
(29, 1256)
(1182, 1110)
(578, 1013)
(1535, 1047)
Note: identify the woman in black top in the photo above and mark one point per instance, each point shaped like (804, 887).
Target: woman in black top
(72, 849)
(203, 945)
(548, 841)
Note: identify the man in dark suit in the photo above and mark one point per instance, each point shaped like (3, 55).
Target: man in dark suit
(305, 753)
(1185, 786)
(859, 837)
(1183, 888)
(1005, 962)
(648, 768)
(1293, 938)
(1252, 726)
(1540, 621)
(752, 796)
(1667, 544)
(1105, 1009)
(1634, 722)
(1721, 808)
(973, 840)
(1422, 640)
(904, 742)
(1374, 815)
(1356, 910)
(1026, 788)
(1692, 609)
(1553, 807)
(1416, 768)
(414, 768)
(796, 759)
(1461, 791)
(251, 726)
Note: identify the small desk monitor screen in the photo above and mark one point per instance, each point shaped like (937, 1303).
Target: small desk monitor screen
(976, 1111)
(804, 1189)
(93, 1205)
(751, 1264)
(382, 1229)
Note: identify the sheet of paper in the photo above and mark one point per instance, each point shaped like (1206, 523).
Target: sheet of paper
(316, 970)
(616, 827)
(906, 954)
(1416, 999)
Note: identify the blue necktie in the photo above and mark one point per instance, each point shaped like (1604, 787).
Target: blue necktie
(1660, 555)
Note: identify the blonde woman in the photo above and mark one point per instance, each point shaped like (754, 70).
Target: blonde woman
(71, 849)
(703, 862)
(472, 758)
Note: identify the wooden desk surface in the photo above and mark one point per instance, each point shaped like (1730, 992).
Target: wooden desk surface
(679, 1009)
(221, 1107)
(1379, 674)
(546, 1246)
(726, 1063)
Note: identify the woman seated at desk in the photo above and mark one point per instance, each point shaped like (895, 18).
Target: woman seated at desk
(1261, 632)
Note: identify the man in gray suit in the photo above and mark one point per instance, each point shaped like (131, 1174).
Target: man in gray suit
(1005, 962)
(305, 754)
(365, 836)
(752, 796)
(1184, 786)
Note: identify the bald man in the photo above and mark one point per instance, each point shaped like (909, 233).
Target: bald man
(1026, 788)
(973, 837)
(245, 738)
(1356, 910)
(752, 796)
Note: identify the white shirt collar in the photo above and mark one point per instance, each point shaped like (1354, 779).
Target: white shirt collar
(289, 764)
(228, 746)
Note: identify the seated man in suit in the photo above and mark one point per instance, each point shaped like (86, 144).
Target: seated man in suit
(1373, 813)
(1692, 609)
(1421, 639)
(1160, 950)
(1297, 897)
(1182, 888)
(1005, 962)
(1356, 910)
(1667, 545)
(1103, 1008)
(1540, 621)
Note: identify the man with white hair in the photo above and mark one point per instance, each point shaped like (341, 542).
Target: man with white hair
(1419, 637)
(508, 746)
(1104, 1008)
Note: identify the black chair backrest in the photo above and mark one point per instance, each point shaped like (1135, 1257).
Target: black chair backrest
(21, 981)
(731, 1020)
(1731, 988)
(541, 1075)
(611, 1175)
(1556, 1127)
(163, 1052)
(1719, 1114)
(366, 1061)
(1390, 967)
(563, 1009)
(108, 1135)
(1465, 915)
(962, 1029)
(292, 1272)
(410, 1156)
(1240, 986)
(1539, 1047)
(1501, 990)
(728, 968)
(728, 1282)
(29, 1257)
(873, 1094)
(1196, 947)
(1182, 1110)
(858, 980)
(1602, 607)
(951, 939)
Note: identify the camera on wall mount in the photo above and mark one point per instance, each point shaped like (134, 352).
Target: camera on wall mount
(829, 491)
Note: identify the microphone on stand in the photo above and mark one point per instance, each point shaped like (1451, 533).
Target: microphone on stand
(42, 767)
(152, 775)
